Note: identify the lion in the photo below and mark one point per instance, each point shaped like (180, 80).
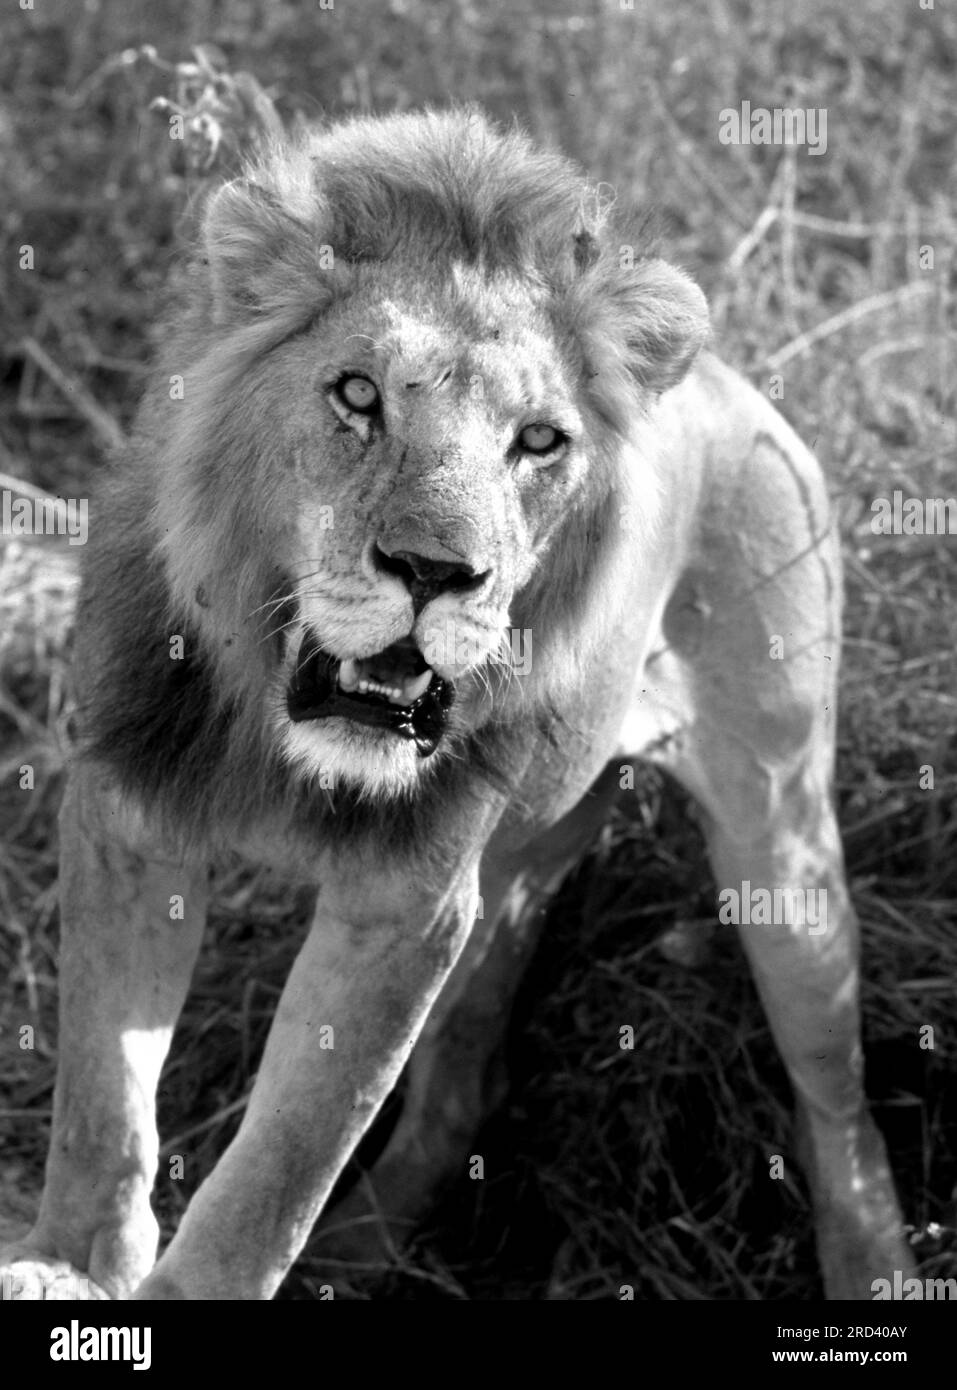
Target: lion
(438, 511)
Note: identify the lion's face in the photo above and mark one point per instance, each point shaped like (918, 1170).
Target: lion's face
(432, 445)
(413, 363)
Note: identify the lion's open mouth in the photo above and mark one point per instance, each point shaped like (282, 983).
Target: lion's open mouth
(395, 689)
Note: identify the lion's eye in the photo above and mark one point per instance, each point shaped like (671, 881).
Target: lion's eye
(358, 393)
(540, 439)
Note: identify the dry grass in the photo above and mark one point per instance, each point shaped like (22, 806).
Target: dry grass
(603, 1167)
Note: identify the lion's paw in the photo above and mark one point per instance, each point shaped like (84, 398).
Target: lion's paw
(26, 1275)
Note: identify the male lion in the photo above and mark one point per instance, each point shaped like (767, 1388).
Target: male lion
(433, 511)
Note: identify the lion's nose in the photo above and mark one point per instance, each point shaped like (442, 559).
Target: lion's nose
(428, 576)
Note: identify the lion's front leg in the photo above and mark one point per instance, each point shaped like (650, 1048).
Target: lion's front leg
(456, 1074)
(377, 955)
(130, 930)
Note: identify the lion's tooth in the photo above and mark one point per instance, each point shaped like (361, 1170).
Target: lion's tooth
(404, 693)
(348, 674)
(412, 689)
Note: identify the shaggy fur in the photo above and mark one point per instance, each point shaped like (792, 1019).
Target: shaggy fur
(193, 531)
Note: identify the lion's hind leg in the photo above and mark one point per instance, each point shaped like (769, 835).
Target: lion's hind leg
(778, 865)
(749, 669)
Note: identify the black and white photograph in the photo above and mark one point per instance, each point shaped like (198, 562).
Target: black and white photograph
(478, 694)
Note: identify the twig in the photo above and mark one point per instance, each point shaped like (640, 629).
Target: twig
(22, 489)
(896, 345)
(788, 239)
(872, 305)
(223, 1113)
(856, 231)
(811, 222)
(753, 238)
(102, 423)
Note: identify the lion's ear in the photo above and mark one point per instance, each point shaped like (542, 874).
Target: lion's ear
(663, 316)
(260, 256)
